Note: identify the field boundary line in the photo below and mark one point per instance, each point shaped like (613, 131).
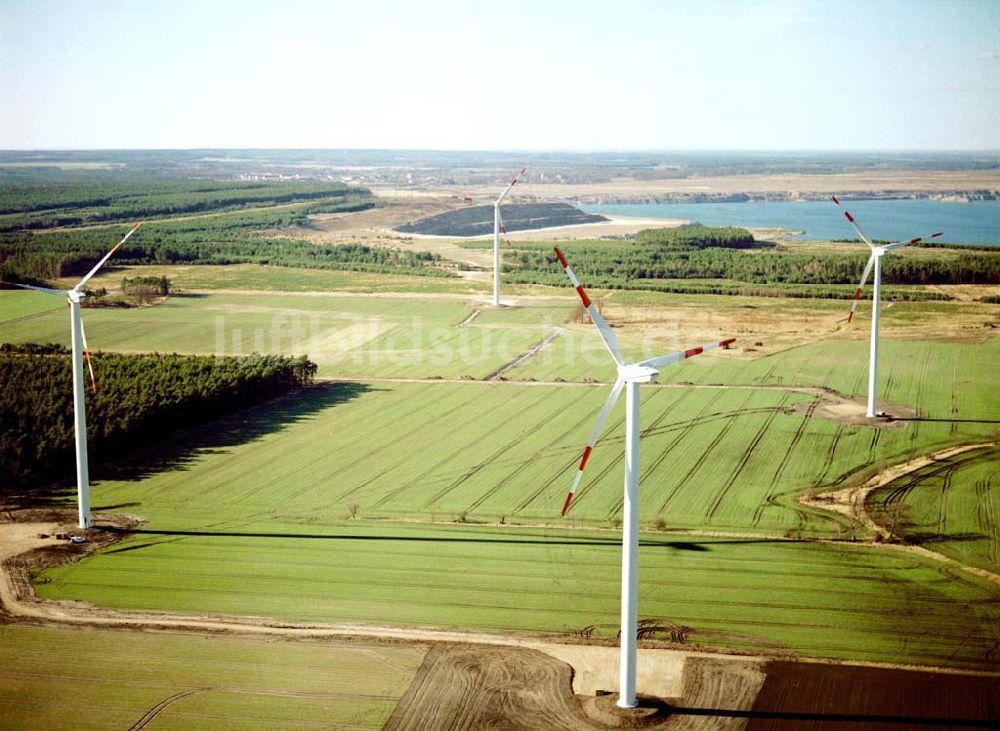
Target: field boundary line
(534, 350)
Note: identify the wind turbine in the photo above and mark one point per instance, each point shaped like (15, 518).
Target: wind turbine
(79, 341)
(874, 261)
(630, 375)
(498, 227)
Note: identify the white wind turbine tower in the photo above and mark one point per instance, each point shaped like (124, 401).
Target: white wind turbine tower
(874, 261)
(630, 375)
(498, 227)
(79, 342)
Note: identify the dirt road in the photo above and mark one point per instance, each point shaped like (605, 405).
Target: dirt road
(850, 501)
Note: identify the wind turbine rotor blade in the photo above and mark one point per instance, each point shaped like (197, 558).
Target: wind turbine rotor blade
(900, 244)
(503, 227)
(598, 427)
(854, 223)
(857, 292)
(684, 355)
(610, 341)
(107, 256)
(46, 290)
(511, 184)
(86, 356)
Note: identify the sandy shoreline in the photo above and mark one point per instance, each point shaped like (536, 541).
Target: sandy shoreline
(616, 225)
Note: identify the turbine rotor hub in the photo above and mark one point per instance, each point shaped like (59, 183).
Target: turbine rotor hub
(637, 373)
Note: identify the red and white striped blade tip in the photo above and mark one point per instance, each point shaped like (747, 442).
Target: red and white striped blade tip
(90, 367)
(559, 255)
(569, 497)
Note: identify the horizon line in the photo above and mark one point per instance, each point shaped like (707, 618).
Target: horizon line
(531, 150)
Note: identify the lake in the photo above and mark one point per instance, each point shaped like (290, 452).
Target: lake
(976, 222)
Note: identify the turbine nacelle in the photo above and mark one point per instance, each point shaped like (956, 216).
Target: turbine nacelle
(637, 373)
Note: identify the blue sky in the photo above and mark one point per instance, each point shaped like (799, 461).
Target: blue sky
(531, 75)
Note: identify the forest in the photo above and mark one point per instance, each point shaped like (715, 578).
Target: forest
(660, 259)
(34, 204)
(47, 226)
(241, 238)
(139, 399)
(34, 257)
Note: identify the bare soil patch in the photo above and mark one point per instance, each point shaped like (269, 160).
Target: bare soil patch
(840, 408)
(479, 687)
(616, 227)
(794, 696)
(759, 326)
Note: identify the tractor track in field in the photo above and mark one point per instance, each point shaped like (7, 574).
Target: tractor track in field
(613, 465)
(496, 454)
(986, 517)
(392, 446)
(560, 474)
(943, 509)
(684, 428)
(449, 455)
(800, 430)
(954, 399)
(872, 445)
(710, 448)
(835, 406)
(831, 453)
(155, 710)
(748, 453)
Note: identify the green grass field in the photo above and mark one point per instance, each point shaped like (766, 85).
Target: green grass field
(259, 278)
(99, 679)
(722, 459)
(346, 336)
(821, 600)
(249, 516)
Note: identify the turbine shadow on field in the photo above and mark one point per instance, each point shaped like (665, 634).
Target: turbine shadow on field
(243, 427)
(951, 421)
(920, 538)
(697, 546)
